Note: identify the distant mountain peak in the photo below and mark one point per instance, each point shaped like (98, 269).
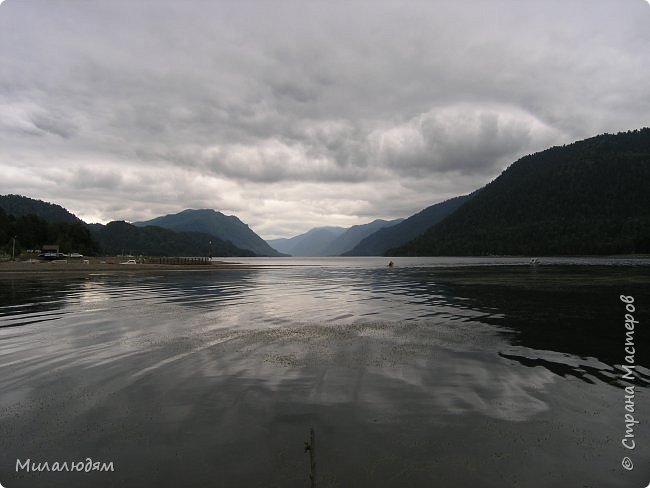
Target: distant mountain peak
(209, 221)
(198, 211)
(328, 240)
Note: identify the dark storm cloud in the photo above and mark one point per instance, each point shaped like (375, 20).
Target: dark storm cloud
(294, 113)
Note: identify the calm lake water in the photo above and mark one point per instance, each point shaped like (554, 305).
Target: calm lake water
(481, 372)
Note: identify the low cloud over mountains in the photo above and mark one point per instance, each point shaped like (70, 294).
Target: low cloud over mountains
(291, 115)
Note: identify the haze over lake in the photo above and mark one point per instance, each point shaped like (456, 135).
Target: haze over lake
(448, 372)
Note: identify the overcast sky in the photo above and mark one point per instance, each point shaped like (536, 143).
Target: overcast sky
(298, 114)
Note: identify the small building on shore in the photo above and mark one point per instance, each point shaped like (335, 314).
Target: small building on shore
(50, 252)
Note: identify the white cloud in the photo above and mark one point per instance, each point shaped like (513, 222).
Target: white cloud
(467, 138)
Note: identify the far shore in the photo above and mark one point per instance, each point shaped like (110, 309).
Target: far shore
(94, 265)
(113, 264)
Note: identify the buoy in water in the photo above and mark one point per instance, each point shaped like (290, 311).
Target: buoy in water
(391, 264)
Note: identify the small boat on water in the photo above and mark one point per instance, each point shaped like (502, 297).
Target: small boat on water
(533, 261)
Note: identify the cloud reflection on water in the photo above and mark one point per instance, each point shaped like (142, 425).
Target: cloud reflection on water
(407, 357)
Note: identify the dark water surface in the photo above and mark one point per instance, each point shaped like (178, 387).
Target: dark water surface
(436, 373)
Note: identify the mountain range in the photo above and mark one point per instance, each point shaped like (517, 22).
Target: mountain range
(329, 241)
(120, 237)
(372, 239)
(208, 221)
(589, 197)
(36, 223)
(378, 243)
(311, 243)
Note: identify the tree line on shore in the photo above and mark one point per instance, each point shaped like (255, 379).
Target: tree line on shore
(30, 232)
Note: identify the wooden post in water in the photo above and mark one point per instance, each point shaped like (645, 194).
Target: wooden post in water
(311, 447)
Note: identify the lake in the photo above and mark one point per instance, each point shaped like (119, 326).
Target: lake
(445, 372)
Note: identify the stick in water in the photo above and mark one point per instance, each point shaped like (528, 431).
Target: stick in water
(311, 447)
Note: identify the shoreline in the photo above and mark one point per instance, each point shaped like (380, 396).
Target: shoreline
(111, 265)
(22, 267)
